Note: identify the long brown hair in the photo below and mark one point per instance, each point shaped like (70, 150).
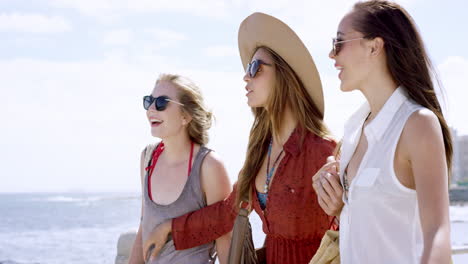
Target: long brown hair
(290, 92)
(407, 59)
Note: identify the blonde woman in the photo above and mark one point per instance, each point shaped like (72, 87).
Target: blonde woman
(179, 174)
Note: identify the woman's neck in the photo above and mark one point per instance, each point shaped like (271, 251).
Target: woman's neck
(377, 91)
(288, 124)
(176, 148)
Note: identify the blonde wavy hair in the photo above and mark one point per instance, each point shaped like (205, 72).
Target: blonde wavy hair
(190, 95)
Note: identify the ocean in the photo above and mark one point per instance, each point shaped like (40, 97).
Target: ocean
(72, 228)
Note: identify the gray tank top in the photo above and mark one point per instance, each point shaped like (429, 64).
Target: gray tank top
(191, 199)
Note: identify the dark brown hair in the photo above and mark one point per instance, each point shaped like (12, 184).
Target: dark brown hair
(407, 59)
(288, 91)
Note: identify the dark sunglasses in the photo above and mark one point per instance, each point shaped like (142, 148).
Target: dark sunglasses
(254, 66)
(338, 44)
(161, 102)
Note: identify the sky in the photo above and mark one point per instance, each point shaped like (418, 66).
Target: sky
(73, 74)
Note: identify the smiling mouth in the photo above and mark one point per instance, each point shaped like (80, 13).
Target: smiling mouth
(339, 69)
(155, 122)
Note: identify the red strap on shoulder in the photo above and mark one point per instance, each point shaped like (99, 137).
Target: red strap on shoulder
(156, 153)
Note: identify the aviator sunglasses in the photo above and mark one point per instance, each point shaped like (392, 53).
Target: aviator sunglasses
(338, 44)
(161, 102)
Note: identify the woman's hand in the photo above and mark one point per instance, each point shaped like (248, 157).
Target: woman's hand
(156, 240)
(326, 183)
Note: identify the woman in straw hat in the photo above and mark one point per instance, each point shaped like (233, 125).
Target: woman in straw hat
(181, 175)
(396, 148)
(288, 143)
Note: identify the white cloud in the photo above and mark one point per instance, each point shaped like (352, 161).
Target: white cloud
(73, 118)
(109, 10)
(454, 74)
(164, 37)
(33, 23)
(118, 37)
(221, 51)
(118, 8)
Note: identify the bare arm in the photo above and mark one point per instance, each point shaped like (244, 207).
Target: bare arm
(422, 140)
(136, 256)
(186, 229)
(216, 186)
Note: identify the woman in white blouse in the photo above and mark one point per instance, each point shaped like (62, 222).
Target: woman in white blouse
(389, 188)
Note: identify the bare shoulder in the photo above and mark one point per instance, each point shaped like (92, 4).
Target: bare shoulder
(212, 160)
(214, 178)
(422, 132)
(213, 166)
(421, 126)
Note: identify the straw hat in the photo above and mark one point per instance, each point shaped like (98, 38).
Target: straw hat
(261, 29)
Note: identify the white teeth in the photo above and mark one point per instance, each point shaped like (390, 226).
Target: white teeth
(339, 68)
(155, 121)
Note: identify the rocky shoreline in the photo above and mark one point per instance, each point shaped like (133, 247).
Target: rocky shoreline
(124, 247)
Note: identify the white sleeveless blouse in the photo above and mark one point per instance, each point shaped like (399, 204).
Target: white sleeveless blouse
(380, 220)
